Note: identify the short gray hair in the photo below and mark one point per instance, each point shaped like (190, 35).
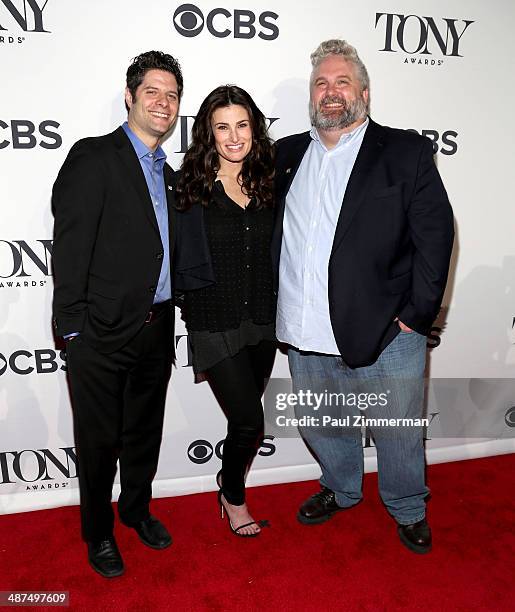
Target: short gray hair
(337, 46)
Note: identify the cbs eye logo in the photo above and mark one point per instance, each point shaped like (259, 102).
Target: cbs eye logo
(202, 451)
(3, 364)
(189, 21)
(509, 417)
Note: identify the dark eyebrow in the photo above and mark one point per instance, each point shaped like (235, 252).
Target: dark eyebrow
(174, 91)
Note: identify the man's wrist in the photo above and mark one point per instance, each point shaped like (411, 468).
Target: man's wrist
(71, 336)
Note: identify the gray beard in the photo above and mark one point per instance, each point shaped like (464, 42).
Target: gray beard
(352, 112)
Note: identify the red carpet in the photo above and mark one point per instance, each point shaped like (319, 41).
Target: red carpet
(353, 562)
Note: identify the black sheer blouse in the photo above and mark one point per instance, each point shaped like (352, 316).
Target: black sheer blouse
(239, 309)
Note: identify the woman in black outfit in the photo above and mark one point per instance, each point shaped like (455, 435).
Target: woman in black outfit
(225, 193)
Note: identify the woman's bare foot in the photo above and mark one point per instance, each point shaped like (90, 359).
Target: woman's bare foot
(239, 515)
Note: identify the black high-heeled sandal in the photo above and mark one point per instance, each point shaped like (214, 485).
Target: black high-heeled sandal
(262, 523)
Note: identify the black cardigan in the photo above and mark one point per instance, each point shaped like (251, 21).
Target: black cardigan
(223, 264)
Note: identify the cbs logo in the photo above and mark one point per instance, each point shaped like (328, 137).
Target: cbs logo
(509, 417)
(42, 361)
(202, 451)
(25, 135)
(189, 21)
(444, 142)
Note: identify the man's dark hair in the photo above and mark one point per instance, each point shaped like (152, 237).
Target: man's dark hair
(152, 60)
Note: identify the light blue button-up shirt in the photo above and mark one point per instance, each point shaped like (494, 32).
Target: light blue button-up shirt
(311, 213)
(152, 164)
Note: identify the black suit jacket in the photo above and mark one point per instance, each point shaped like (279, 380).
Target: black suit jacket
(393, 240)
(107, 250)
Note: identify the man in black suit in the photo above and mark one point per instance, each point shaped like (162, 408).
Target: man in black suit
(113, 242)
(361, 249)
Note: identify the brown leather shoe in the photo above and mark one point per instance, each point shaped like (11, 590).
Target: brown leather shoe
(416, 537)
(319, 508)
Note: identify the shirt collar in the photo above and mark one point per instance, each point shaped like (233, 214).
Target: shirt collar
(345, 138)
(141, 148)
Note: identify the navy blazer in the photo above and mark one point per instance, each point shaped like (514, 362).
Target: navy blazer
(393, 240)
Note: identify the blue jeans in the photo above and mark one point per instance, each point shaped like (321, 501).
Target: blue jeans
(398, 375)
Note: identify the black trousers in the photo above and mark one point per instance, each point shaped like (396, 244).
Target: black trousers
(238, 383)
(118, 406)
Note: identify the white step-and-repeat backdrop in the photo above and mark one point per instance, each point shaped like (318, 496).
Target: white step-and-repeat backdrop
(442, 70)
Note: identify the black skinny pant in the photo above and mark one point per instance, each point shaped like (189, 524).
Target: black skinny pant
(238, 383)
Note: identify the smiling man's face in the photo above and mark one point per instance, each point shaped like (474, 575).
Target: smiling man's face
(154, 108)
(337, 99)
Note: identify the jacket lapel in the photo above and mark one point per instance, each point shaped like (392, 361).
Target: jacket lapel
(135, 174)
(170, 183)
(359, 182)
(286, 170)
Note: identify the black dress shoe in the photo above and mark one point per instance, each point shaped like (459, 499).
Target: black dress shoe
(104, 557)
(153, 533)
(416, 537)
(318, 508)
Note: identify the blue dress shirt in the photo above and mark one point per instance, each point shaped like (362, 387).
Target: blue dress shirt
(152, 164)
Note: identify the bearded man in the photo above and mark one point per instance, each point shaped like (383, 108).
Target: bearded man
(361, 250)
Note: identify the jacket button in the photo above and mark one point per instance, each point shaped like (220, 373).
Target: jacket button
(159, 256)
(152, 289)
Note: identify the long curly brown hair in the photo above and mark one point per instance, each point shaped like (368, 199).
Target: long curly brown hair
(201, 164)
